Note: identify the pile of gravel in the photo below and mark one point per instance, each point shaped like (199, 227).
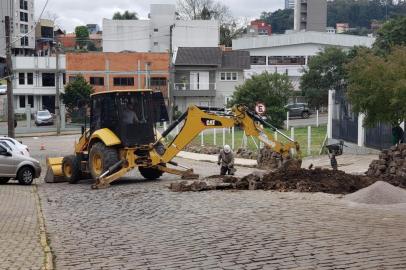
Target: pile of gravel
(380, 193)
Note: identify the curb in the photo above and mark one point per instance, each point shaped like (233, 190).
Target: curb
(48, 260)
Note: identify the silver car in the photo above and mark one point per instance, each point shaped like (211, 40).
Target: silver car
(44, 118)
(22, 168)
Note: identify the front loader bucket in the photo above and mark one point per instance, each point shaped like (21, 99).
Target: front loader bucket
(54, 171)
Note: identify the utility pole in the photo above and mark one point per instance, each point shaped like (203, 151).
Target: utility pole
(171, 75)
(10, 97)
(57, 97)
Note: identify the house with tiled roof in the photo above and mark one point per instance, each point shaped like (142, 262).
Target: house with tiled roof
(207, 76)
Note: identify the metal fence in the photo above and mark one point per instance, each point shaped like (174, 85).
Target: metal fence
(345, 121)
(379, 137)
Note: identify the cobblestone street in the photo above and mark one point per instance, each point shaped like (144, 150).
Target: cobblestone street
(138, 224)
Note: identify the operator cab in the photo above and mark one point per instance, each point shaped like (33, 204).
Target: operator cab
(130, 114)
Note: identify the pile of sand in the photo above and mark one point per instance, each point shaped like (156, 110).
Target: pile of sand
(378, 193)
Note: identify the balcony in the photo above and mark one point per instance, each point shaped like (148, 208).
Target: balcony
(194, 90)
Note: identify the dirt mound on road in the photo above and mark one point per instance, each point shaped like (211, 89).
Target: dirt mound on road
(284, 180)
(318, 180)
(378, 193)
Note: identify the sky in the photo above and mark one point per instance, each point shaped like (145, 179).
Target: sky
(71, 13)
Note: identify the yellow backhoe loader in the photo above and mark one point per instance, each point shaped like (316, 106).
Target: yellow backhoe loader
(122, 137)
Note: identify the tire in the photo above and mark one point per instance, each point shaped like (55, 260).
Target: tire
(305, 115)
(150, 173)
(4, 180)
(101, 158)
(25, 176)
(71, 169)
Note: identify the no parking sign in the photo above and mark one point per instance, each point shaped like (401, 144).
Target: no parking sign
(260, 108)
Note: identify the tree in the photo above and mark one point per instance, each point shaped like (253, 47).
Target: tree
(325, 71)
(204, 10)
(82, 36)
(391, 34)
(126, 15)
(280, 20)
(77, 93)
(377, 86)
(272, 89)
(228, 32)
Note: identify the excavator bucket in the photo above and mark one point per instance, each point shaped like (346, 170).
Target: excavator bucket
(54, 170)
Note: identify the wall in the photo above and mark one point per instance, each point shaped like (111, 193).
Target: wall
(110, 65)
(122, 35)
(316, 15)
(198, 33)
(226, 88)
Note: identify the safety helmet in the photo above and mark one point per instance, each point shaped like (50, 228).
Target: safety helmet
(227, 149)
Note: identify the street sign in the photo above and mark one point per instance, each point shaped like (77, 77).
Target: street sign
(260, 108)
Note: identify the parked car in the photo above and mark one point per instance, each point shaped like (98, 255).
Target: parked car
(19, 145)
(3, 89)
(15, 166)
(44, 118)
(298, 110)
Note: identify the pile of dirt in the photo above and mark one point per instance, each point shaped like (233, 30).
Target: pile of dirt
(268, 159)
(391, 163)
(378, 193)
(287, 179)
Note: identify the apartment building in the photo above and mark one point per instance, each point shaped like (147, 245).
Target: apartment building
(34, 85)
(290, 53)
(207, 76)
(154, 34)
(120, 71)
(21, 13)
(310, 15)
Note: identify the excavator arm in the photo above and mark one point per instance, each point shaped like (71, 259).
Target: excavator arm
(196, 119)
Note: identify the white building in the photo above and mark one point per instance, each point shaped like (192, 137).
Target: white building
(289, 53)
(34, 83)
(21, 13)
(153, 35)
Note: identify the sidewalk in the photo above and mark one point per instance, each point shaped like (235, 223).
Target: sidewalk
(354, 164)
(20, 238)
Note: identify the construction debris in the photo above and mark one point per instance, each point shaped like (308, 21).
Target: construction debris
(285, 179)
(392, 162)
(380, 193)
(215, 150)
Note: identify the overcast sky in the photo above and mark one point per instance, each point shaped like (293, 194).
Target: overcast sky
(71, 13)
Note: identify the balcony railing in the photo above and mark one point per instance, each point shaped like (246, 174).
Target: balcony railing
(194, 86)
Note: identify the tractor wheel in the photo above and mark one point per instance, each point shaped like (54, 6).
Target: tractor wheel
(71, 169)
(101, 158)
(150, 173)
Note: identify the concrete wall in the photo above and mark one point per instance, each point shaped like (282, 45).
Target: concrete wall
(316, 15)
(162, 17)
(225, 89)
(198, 33)
(130, 35)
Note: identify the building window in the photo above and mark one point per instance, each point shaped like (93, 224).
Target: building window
(22, 101)
(258, 60)
(155, 43)
(23, 17)
(23, 4)
(123, 81)
(31, 101)
(21, 78)
(23, 28)
(97, 81)
(155, 29)
(286, 60)
(48, 79)
(228, 76)
(64, 78)
(161, 81)
(30, 78)
(24, 41)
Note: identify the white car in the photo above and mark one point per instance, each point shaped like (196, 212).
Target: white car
(3, 89)
(22, 148)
